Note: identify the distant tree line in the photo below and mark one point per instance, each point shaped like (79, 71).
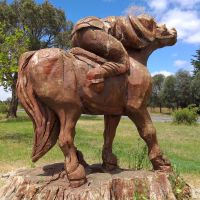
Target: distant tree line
(179, 90)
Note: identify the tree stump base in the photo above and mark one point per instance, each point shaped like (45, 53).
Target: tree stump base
(45, 183)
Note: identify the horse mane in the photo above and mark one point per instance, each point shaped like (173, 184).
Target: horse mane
(135, 32)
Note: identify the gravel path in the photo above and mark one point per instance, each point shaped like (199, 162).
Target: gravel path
(163, 118)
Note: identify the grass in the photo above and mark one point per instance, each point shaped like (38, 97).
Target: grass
(180, 144)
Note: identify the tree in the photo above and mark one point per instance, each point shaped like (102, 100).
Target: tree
(156, 99)
(168, 92)
(183, 88)
(196, 62)
(13, 43)
(47, 27)
(195, 87)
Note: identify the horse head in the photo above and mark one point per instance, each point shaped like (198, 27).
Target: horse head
(149, 36)
(165, 36)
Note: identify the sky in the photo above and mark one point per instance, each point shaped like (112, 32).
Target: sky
(184, 15)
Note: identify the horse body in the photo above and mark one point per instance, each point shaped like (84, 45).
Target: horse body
(51, 87)
(60, 79)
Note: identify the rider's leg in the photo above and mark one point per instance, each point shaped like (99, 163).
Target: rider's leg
(106, 46)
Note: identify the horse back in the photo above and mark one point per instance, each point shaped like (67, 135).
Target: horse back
(59, 77)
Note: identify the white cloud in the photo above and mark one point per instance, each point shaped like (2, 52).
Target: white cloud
(165, 73)
(134, 10)
(158, 6)
(187, 24)
(194, 38)
(4, 95)
(186, 3)
(161, 5)
(180, 63)
(184, 15)
(183, 64)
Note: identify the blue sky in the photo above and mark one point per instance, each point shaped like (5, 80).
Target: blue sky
(184, 15)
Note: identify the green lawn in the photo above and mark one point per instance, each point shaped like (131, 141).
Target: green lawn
(180, 143)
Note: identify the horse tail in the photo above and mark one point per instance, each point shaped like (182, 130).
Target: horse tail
(45, 121)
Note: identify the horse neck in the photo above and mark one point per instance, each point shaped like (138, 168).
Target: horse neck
(140, 55)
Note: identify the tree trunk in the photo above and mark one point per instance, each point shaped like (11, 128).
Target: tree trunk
(48, 182)
(12, 111)
(160, 108)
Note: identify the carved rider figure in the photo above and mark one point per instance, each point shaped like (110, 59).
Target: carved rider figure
(109, 38)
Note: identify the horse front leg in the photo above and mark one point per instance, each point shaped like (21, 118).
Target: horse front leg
(110, 124)
(147, 131)
(74, 170)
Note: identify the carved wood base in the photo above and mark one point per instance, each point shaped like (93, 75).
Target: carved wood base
(49, 182)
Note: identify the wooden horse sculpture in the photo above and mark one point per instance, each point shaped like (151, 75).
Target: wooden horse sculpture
(51, 87)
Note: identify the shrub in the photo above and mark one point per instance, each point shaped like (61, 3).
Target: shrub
(139, 160)
(3, 108)
(186, 115)
(180, 188)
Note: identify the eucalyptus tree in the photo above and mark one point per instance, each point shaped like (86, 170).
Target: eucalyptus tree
(42, 25)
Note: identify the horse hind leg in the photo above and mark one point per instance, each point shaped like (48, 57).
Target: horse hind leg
(74, 170)
(109, 159)
(147, 131)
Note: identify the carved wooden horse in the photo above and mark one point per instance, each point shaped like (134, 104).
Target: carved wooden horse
(51, 87)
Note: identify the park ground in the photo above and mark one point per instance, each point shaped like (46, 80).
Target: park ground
(180, 143)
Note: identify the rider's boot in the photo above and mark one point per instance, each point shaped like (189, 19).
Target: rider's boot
(95, 76)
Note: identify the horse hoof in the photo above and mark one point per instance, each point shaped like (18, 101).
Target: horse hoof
(109, 160)
(77, 183)
(165, 169)
(161, 164)
(77, 174)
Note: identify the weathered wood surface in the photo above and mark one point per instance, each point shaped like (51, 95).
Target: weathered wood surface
(48, 183)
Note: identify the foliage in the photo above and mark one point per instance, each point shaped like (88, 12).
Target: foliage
(3, 108)
(182, 88)
(186, 115)
(196, 62)
(48, 25)
(168, 92)
(13, 42)
(195, 87)
(180, 188)
(138, 196)
(139, 160)
(179, 90)
(156, 99)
